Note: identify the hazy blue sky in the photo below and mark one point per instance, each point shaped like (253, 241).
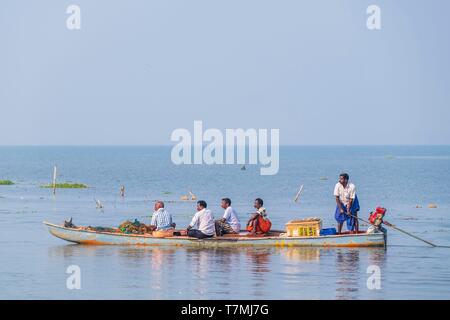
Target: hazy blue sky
(137, 70)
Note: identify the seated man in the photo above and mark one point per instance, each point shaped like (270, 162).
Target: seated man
(258, 222)
(161, 218)
(202, 224)
(229, 224)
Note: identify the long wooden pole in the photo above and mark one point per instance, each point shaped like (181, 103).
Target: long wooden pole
(409, 234)
(398, 229)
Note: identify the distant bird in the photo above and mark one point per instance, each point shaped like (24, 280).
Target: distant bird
(98, 204)
(193, 196)
(243, 168)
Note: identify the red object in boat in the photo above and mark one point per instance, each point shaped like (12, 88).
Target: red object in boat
(378, 214)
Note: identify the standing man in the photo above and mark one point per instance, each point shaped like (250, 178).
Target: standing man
(161, 218)
(347, 204)
(202, 224)
(229, 224)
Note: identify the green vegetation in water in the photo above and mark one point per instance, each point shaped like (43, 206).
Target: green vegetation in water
(66, 185)
(167, 192)
(6, 183)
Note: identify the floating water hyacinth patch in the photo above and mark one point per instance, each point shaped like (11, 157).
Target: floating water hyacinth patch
(65, 185)
(6, 183)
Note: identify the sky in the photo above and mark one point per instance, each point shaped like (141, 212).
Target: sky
(139, 69)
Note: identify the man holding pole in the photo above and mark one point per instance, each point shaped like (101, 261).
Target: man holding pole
(347, 204)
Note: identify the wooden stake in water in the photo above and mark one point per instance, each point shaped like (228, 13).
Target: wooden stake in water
(298, 194)
(54, 180)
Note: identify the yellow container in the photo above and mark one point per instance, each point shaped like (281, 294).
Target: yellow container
(304, 228)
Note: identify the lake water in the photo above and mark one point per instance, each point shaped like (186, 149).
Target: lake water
(33, 263)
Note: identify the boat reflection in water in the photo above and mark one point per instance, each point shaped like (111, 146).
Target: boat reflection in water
(222, 273)
(354, 272)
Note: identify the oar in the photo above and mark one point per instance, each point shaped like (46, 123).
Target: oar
(398, 229)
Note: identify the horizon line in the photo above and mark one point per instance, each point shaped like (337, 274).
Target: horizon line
(169, 145)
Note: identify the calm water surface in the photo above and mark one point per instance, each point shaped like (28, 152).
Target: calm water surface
(33, 263)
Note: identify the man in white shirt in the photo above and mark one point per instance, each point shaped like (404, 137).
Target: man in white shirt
(202, 224)
(229, 224)
(347, 205)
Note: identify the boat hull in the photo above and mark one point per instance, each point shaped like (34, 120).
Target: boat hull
(106, 238)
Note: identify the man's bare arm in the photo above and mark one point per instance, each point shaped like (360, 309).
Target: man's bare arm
(338, 202)
(349, 207)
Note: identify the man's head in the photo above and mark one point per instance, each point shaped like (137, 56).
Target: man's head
(258, 203)
(158, 205)
(226, 202)
(201, 205)
(343, 179)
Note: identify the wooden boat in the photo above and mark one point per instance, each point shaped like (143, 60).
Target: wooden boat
(274, 238)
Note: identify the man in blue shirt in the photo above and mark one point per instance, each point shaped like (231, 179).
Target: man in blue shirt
(161, 218)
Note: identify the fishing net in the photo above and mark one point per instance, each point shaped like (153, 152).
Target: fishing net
(133, 227)
(101, 229)
(127, 227)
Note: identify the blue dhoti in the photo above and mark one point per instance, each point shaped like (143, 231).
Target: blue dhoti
(341, 217)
